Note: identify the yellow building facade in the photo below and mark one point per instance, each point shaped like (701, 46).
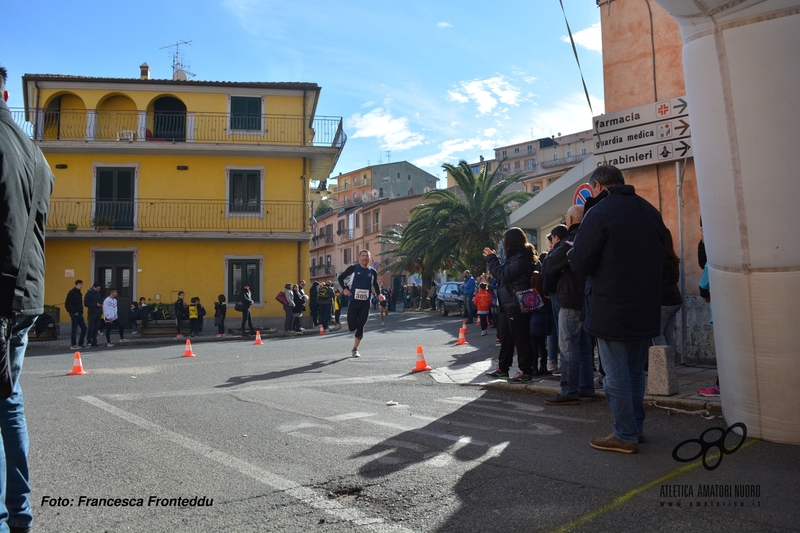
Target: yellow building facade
(165, 186)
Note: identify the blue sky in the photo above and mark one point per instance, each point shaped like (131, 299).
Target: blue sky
(429, 81)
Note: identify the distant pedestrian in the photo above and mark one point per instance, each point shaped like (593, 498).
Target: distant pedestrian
(194, 317)
(288, 308)
(245, 302)
(468, 290)
(384, 303)
(220, 310)
(313, 303)
(180, 313)
(111, 317)
(299, 306)
(94, 312)
(74, 306)
(325, 304)
(337, 306)
(483, 303)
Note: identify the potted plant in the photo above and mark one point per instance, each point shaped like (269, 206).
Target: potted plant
(71, 228)
(102, 222)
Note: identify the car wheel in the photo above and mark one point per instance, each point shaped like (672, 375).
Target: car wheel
(462, 309)
(443, 310)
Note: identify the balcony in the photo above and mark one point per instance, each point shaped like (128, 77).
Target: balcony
(82, 217)
(82, 131)
(571, 160)
(321, 240)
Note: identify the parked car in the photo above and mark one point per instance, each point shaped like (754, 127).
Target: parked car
(450, 298)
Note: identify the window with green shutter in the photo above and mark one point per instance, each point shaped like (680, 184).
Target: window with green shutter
(246, 113)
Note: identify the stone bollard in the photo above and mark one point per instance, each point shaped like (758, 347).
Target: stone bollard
(662, 380)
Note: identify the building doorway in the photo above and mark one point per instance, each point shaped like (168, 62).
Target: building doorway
(114, 270)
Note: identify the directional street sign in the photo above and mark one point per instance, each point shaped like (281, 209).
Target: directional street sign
(644, 135)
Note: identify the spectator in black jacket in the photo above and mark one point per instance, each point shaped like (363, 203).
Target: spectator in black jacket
(550, 286)
(94, 312)
(620, 248)
(181, 313)
(513, 325)
(25, 186)
(576, 347)
(74, 306)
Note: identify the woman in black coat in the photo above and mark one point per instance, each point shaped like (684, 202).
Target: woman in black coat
(513, 325)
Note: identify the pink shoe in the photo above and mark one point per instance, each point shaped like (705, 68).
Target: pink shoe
(713, 390)
(178, 336)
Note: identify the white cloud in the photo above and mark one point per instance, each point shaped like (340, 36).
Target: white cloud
(392, 132)
(448, 150)
(445, 25)
(485, 93)
(568, 115)
(368, 104)
(589, 38)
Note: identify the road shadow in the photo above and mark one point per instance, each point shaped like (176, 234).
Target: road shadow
(311, 368)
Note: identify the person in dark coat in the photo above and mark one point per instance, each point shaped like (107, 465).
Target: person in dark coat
(74, 306)
(620, 249)
(94, 312)
(26, 183)
(246, 302)
(513, 325)
(671, 299)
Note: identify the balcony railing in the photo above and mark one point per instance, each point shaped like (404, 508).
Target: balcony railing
(571, 160)
(210, 128)
(85, 214)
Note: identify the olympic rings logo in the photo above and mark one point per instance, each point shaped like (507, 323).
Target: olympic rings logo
(706, 446)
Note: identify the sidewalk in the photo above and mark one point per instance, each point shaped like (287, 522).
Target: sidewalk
(690, 378)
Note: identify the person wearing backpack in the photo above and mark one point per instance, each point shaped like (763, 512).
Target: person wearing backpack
(325, 303)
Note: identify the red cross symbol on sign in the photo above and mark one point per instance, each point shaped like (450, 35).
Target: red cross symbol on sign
(663, 109)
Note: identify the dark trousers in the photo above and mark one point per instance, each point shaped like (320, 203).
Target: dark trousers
(247, 319)
(539, 352)
(325, 314)
(194, 326)
(514, 328)
(116, 323)
(179, 322)
(337, 314)
(77, 322)
(314, 308)
(484, 321)
(94, 321)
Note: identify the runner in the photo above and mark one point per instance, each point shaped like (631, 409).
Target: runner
(384, 303)
(363, 281)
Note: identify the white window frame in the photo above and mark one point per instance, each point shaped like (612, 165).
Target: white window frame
(260, 258)
(230, 131)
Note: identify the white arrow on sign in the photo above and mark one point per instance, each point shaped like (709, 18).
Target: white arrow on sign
(643, 135)
(644, 114)
(649, 155)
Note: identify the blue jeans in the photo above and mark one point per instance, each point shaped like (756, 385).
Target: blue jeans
(552, 339)
(469, 306)
(577, 378)
(623, 362)
(15, 489)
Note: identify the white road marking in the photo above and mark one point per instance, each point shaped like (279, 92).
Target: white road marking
(300, 493)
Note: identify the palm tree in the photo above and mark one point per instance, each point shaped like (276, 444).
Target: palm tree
(460, 224)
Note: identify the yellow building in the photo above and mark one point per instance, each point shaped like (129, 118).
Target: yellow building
(173, 185)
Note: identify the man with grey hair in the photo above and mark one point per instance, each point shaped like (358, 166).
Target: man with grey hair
(25, 186)
(620, 249)
(576, 347)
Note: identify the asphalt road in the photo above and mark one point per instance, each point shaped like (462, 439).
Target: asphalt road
(297, 436)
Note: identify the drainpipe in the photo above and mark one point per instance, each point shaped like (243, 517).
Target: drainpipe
(36, 111)
(744, 106)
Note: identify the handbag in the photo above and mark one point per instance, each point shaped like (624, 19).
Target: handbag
(6, 381)
(281, 297)
(238, 307)
(219, 321)
(529, 300)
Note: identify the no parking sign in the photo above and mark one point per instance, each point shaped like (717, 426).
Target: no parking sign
(582, 193)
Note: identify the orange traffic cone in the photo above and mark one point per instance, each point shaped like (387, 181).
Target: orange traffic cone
(421, 364)
(258, 338)
(321, 329)
(188, 351)
(464, 326)
(77, 366)
(461, 338)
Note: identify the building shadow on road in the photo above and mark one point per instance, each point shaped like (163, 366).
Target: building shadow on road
(311, 368)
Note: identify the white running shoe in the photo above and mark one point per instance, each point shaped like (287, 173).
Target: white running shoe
(355, 353)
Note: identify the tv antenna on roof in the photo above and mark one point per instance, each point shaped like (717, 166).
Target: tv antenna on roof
(179, 70)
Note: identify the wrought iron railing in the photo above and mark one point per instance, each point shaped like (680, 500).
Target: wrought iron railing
(212, 128)
(85, 214)
(570, 160)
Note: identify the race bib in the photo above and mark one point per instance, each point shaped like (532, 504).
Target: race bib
(362, 294)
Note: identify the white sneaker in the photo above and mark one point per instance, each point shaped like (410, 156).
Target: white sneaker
(483, 333)
(551, 366)
(109, 345)
(124, 340)
(355, 353)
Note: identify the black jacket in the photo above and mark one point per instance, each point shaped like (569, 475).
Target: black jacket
(21, 165)
(670, 292)
(91, 299)
(514, 274)
(570, 285)
(620, 248)
(74, 302)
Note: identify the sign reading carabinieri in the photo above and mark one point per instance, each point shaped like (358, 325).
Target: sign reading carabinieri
(644, 135)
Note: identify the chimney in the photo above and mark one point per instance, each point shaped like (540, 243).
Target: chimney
(481, 159)
(144, 71)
